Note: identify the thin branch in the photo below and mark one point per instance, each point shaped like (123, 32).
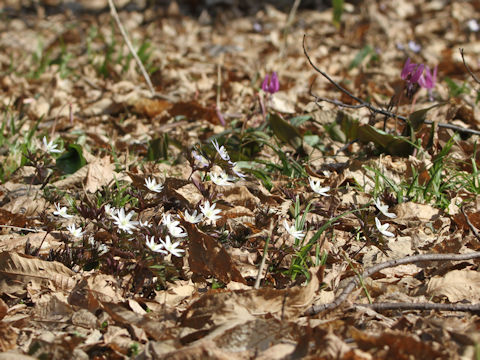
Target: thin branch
(475, 308)
(113, 12)
(388, 264)
(468, 68)
(368, 105)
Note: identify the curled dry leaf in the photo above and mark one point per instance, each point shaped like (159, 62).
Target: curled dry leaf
(18, 271)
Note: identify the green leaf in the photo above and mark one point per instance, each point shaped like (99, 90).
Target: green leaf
(158, 148)
(71, 160)
(392, 144)
(337, 12)
(361, 55)
(285, 131)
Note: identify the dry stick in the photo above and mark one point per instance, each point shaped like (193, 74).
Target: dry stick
(387, 264)
(422, 306)
(468, 68)
(369, 106)
(114, 13)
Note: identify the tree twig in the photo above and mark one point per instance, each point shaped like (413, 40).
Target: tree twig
(475, 308)
(388, 264)
(468, 68)
(113, 12)
(369, 106)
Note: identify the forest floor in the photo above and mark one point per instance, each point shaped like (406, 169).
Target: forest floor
(219, 214)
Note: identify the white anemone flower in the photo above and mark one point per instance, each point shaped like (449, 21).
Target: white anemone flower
(221, 151)
(316, 187)
(110, 210)
(124, 222)
(50, 147)
(384, 209)
(76, 232)
(152, 245)
(61, 211)
(236, 170)
(383, 228)
(291, 229)
(172, 248)
(151, 184)
(200, 158)
(193, 218)
(209, 211)
(221, 179)
(173, 226)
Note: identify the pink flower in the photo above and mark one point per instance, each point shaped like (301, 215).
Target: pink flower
(271, 85)
(428, 79)
(411, 72)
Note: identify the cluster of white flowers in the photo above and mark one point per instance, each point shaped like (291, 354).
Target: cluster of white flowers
(384, 210)
(124, 221)
(221, 178)
(209, 212)
(164, 247)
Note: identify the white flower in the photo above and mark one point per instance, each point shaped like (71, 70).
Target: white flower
(152, 185)
(193, 218)
(50, 147)
(473, 25)
(152, 245)
(61, 211)
(76, 232)
(172, 226)
(144, 223)
(383, 228)
(110, 210)
(171, 248)
(123, 221)
(210, 212)
(221, 179)
(102, 249)
(221, 151)
(236, 170)
(315, 185)
(384, 209)
(200, 158)
(297, 234)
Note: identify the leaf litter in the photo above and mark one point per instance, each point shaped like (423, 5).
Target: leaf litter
(292, 181)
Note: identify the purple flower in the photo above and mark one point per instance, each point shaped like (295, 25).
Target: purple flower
(411, 73)
(428, 79)
(271, 85)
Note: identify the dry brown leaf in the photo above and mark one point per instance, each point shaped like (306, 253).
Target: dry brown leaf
(208, 257)
(8, 337)
(92, 290)
(456, 285)
(18, 271)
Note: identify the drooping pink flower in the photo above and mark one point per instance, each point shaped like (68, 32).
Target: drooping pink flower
(428, 79)
(411, 73)
(271, 85)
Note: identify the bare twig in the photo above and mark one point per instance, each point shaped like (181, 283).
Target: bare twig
(387, 264)
(369, 106)
(468, 68)
(422, 306)
(113, 12)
